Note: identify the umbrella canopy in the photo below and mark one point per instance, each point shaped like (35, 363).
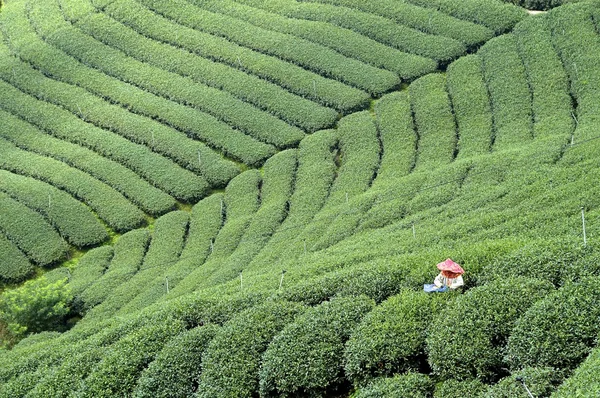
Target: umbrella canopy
(451, 266)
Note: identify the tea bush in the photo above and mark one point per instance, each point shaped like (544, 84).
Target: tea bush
(175, 370)
(306, 357)
(391, 338)
(231, 362)
(558, 331)
(451, 388)
(14, 267)
(540, 381)
(584, 381)
(408, 385)
(468, 339)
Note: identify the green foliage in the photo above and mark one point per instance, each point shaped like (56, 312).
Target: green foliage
(429, 21)
(391, 338)
(409, 385)
(295, 110)
(471, 106)
(110, 205)
(383, 30)
(540, 4)
(311, 56)
(175, 370)
(34, 307)
(306, 358)
(30, 232)
(231, 362)
(88, 270)
(547, 78)
(117, 373)
(509, 92)
(14, 266)
(558, 331)
(540, 381)
(468, 339)
(278, 16)
(451, 388)
(493, 14)
(73, 220)
(584, 381)
(398, 138)
(434, 122)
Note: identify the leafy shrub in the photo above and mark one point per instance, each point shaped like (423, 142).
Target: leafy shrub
(391, 338)
(467, 339)
(555, 260)
(275, 16)
(14, 266)
(231, 362)
(409, 385)
(34, 307)
(434, 122)
(119, 370)
(306, 358)
(471, 105)
(311, 56)
(584, 381)
(558, 331)
(89, 269)
(99, 182)
(452, 388)
(176, 369)
(30, 232)
(540, 4)
(540, 381)
(506, 80)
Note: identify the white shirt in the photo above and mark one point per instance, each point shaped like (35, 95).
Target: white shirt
(452, 283)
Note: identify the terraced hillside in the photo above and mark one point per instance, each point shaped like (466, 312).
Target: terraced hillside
(251, 194)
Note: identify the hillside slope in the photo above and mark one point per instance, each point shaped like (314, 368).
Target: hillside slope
(342, 190)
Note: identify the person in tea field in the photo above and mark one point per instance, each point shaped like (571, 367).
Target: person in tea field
(450, 277)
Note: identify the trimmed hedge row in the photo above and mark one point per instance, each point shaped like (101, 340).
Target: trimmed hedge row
(345, 41)
(383, 30)
(311, 56)
(510, 97)
(547, 79)
(325, 91)
(575, 36)
(359, 152)
(452, 388)
(434, 122)
(468, 339)
(129, 252)
(110, 205)
(168, 239)
(471, 106)
(540, 4)
(175, 371)
(391, 338)
(120, 180)
(584, 381)
(493, 14)
(541, 382)
(306, 358)
(409, 385)
(289, 107)
(231, 362)
(30, 232)
(559, 330)
(14, 266)
(139, 129)
(89, 269)
(73, 220)
(205, 222)
(191, 121)
(398, 138)
(90, 51)
(429, 21)
(117, 373)
(160, 171)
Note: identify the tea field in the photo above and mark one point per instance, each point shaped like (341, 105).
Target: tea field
(244, 198)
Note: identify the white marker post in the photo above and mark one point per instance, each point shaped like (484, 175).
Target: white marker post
(167, 279)
(583, 223)
(241, 280)
(281, 280)
(414, 232)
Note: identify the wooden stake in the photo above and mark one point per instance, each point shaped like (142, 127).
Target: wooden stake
(583, 223)
(281, 280)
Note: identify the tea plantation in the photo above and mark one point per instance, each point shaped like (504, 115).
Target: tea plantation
(244, 198)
